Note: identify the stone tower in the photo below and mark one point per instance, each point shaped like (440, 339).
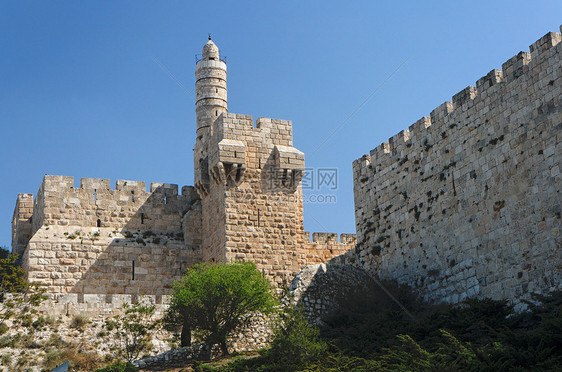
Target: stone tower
(211, 102)
(248, 177)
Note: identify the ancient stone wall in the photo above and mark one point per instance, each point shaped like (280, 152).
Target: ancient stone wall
(95, 204)
(22, 227)
(467, 202)
(322, 289)
(325, 246)
(96, 240)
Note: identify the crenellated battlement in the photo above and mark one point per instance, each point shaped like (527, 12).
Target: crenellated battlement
(466, 201)
(265, 130)
(325, 237)
(95, 204)
(429, 129)
(93, 305)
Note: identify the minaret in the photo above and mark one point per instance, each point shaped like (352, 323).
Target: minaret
(211, 102)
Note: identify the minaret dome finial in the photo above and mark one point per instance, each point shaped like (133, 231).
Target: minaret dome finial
(209, 36)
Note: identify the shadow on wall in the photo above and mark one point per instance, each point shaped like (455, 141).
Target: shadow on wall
(149, 252)
(331, 293)
(324, 289)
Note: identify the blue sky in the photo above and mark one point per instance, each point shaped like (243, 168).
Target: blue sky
(86, 91)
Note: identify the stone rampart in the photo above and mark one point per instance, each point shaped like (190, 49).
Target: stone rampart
(96, 305)
(95, 204)
(325, 246)
(466, 202)
(93, 239)
(22, 227)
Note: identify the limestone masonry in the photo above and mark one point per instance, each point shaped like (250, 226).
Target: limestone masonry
(466, 202)
(95, 247)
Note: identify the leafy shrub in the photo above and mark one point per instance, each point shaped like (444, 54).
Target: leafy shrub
(373, 333)
(296, 343)
(79, 322)
(6, 359)
(3, 328)
(133, 330)
(118, 367)
(215, 299)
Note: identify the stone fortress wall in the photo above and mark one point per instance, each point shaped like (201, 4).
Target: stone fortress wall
(246, 205)
(467, 201)
(95, 240)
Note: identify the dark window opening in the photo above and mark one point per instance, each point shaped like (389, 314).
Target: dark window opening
(258, 217)
(235, 154)
(216, 90)
(284, 177)
(132, 196)
(216, 112)
(142, 218)
(211, 58)
(259, 163)
(238, 173)
(133, 271)
(99, 223)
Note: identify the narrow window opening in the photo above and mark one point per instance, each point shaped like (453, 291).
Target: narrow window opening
(258, 218)
(132, 196)
(165, 199)
(95, 195)
(259, 163)
(133, 271)
(99, 223)
(216, 90)
(238, 173)
(284, 177)
(216, 112)
(211, 58)
(142, 218)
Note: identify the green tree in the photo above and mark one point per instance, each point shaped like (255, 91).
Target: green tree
(18, 297)
(216, 299)
(133, 329)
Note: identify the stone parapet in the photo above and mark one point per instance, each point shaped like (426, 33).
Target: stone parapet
(94, 204)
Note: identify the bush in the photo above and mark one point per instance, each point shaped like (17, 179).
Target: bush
(371, 333)
(133, 330)
(296, 343)
(79, 322)
(3, 328)
(118, 367)
(215, 299)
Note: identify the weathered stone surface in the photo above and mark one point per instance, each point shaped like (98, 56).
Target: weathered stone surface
(466, 203)
(323, 288)
(94, 240)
